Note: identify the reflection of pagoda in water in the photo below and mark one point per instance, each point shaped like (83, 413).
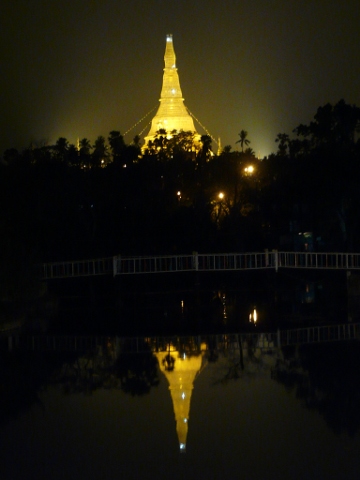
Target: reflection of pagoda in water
(181, 371)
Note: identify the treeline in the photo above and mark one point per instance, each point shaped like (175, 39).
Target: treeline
(176, 196)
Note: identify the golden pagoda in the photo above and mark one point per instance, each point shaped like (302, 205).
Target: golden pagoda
(172, 113)
(181, 371)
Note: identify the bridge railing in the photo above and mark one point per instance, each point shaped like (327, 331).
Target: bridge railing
(79, 268)
(235, 261)
(319, 260)
(119, 265)
(317, 334)
(161, 264)
(193, 262)
(185, 344)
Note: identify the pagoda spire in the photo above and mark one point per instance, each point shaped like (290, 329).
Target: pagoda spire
(172, 113)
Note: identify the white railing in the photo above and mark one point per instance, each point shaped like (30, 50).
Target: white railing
(210, 262)
(319, 260)
(77, 268)
(319, 334)
(191, 344)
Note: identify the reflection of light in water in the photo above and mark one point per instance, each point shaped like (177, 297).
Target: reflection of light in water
(253, 316)
(222, 297)
(224, 306)
(309, 295)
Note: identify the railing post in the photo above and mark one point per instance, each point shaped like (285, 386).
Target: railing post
(266, 257)
(276, 260)
(195, 261)
(116, 262)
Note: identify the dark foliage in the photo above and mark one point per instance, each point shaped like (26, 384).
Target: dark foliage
(326, 378)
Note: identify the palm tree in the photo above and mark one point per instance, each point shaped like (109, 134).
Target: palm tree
(84, 150)
(226, 150)
(61, 148)
(250, 152)
(117, 144)
(243, 139)
(100, 154)
(73, 155)
(84, 146)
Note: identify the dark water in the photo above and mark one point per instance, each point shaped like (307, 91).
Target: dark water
(272, 414)
(285, 415)
(197, 303)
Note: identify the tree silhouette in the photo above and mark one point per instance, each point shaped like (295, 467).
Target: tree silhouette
(244, 141)
(283, 140)
(117, 145)
(61, 149)
(325, 378)
(100, 154)
(138, 373)
(85, 148)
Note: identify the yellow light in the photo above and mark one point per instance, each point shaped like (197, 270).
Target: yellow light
(249, 170)
(253, 316)
(221, 195)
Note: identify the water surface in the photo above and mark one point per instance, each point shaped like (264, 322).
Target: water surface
(241, 423)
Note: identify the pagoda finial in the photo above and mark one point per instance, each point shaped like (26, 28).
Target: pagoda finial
(170, 58)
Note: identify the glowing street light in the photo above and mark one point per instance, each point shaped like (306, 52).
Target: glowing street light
(221, 195)
(249, 170)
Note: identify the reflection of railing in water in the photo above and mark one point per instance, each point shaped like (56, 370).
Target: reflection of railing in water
(208, 262)
(186, 344)
(328, 333)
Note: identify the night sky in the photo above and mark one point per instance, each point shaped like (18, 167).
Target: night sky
(81, 68)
